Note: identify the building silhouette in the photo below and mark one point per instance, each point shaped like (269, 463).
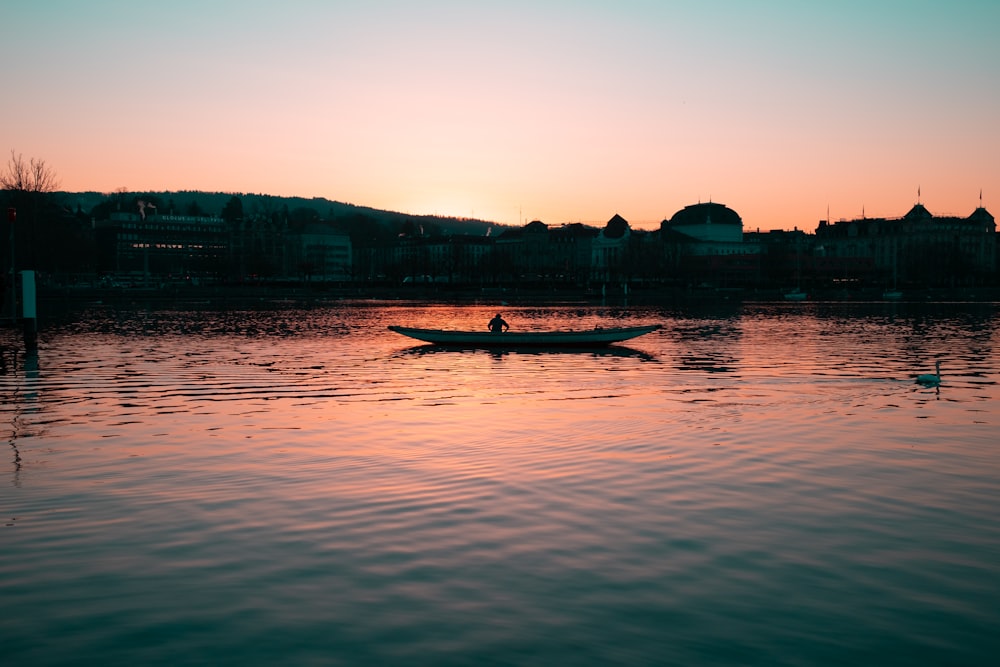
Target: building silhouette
(701, 245)
(915, 249)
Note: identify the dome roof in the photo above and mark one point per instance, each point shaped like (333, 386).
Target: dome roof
(706, 214)
(616, 228)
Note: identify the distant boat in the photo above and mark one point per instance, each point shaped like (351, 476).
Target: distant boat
(587, 338)
(892, 295)
(796, 295)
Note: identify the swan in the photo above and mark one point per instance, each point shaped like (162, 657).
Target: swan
(931, 379)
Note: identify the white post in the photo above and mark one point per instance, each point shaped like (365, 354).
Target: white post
(12, 218)
(29, 311)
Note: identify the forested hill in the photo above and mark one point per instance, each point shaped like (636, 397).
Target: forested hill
(300, 209)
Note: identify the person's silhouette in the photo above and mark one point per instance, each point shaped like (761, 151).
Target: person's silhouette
(498, 324)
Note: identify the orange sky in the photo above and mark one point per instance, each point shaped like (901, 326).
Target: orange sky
(511, 111)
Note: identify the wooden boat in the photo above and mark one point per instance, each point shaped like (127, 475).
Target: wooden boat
(589, 338)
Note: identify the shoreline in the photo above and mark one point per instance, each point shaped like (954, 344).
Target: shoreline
(312, 294)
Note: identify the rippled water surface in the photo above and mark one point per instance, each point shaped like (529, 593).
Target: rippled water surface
(757, 484)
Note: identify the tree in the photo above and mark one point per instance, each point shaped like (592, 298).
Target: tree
(302, 217)
(28, 186)
(31, 177)
(232, 212)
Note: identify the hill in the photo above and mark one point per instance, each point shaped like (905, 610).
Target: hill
(212, 204)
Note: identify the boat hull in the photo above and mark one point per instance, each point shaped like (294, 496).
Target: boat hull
(589, 338)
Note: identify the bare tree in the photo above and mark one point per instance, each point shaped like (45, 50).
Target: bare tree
(28, 187)
(33, 176)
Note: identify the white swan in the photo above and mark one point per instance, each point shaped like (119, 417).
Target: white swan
(931, 379)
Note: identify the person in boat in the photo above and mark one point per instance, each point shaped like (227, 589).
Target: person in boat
(498, 324)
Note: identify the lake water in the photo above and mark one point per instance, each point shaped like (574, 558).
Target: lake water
(756, 484)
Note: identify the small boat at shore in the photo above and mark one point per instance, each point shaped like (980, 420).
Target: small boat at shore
(588, 338)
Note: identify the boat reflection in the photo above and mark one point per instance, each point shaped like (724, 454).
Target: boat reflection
(499, 352)
(709, 364)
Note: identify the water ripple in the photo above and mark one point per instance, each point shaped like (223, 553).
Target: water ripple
(762, 486)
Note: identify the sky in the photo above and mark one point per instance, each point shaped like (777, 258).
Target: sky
(787, 111)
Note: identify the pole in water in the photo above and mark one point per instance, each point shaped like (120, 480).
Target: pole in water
(12, 218)
(29, 314)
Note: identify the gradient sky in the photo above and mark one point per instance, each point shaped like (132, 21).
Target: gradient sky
(510, 110)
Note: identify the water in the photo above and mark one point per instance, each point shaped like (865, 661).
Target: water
(757, 484)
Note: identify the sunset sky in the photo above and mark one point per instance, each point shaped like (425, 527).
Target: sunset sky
(510, 110)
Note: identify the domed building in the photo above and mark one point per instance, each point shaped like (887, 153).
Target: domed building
(706, 244)
(711, 222)
(707, 229)
(616, 228)
(608, 249)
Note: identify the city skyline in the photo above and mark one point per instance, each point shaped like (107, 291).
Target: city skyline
(508, 112)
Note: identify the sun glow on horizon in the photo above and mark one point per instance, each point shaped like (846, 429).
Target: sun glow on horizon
(511, 112)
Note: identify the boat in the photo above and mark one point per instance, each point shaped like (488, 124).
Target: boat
(588, 338)
(892, 295)
(796, 295)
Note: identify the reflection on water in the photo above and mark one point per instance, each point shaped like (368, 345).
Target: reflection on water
(764, 485)
(604, 351)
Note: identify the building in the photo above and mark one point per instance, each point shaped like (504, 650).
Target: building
(438, 258)
(705, 244)
(609, 250)
(537, 253)
(918, 249)
(322, 254)
(711, 229)
(571, 248)
(162, 246)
